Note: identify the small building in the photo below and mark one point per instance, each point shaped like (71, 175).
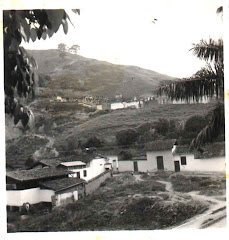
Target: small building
(78, 168)
(103, 106)
(23, 185)
(65, 190)
(113, 161)
(160, 155)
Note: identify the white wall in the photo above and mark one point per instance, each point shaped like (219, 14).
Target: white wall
(31, 196)
(112, 158)
(129, 166)
(118, 105)
(216, 164)
(95, 167)
(167, 160)
(65, 198)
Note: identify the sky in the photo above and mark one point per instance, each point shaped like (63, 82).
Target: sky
(123, 33)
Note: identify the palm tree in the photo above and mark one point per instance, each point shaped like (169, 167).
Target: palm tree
(207, 82)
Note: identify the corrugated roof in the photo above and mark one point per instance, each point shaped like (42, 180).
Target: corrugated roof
(160, 145)
(37, 174)
(74, 163)
(63, 183)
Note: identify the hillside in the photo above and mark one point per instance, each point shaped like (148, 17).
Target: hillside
(75, 75)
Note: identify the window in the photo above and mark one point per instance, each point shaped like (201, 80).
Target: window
(84, 173)
(183, 160)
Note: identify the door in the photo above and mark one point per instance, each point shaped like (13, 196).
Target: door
(135, 166)
(78, 174)
(177, 166)
(160, 163)
(114, 165)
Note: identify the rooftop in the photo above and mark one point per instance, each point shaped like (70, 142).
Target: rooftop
(37, 174)
(160, 145)
(64, 183)
(182, 149)
(50, 162)
(74, 163)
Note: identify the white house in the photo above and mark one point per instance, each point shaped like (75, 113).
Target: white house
(214, 161)
(23, 186)
(160, 155)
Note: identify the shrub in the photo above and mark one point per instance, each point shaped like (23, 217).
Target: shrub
(125, 155)
(126, 137)
(195, 124)
(94, 141)
(143, 128)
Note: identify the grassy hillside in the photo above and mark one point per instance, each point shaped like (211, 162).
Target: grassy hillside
(107, 125)
(78, 74)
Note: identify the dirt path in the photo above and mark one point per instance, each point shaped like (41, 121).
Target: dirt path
(216, 211)
(168, 186)
(138, 178)
(215, 216)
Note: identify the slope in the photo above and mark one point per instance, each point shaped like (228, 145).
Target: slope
(77, 75)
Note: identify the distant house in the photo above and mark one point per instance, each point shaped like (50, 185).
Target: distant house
(160, 155)
(23, 186)
(103, 106)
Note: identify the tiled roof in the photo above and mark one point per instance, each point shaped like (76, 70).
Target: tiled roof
(50, 162)
(63, 183)
(139, 158)
(160, 145)
(182, 149)
(37, 174)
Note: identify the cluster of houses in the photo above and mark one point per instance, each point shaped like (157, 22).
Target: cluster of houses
(56, 182)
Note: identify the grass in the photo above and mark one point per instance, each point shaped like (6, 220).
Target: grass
(121, 204)
(107, 125)
(206, 185)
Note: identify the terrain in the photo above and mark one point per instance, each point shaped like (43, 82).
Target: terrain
(75, 76)
(138, 202)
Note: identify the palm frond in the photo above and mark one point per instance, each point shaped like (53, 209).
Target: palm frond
(212, 130)
(209, 51)
(205, 83)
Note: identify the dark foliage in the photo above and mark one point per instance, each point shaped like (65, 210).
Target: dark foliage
(19, 66)
(126, 137)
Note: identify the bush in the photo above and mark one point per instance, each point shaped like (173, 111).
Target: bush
(125, 155)
(126, 137)
(94, 142)
(143, 128)
(195, 124)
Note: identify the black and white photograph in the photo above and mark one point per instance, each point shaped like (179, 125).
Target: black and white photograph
(114, 116)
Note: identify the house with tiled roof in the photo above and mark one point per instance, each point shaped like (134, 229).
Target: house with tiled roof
(210, 159)
(49, 185)
(159, 155)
